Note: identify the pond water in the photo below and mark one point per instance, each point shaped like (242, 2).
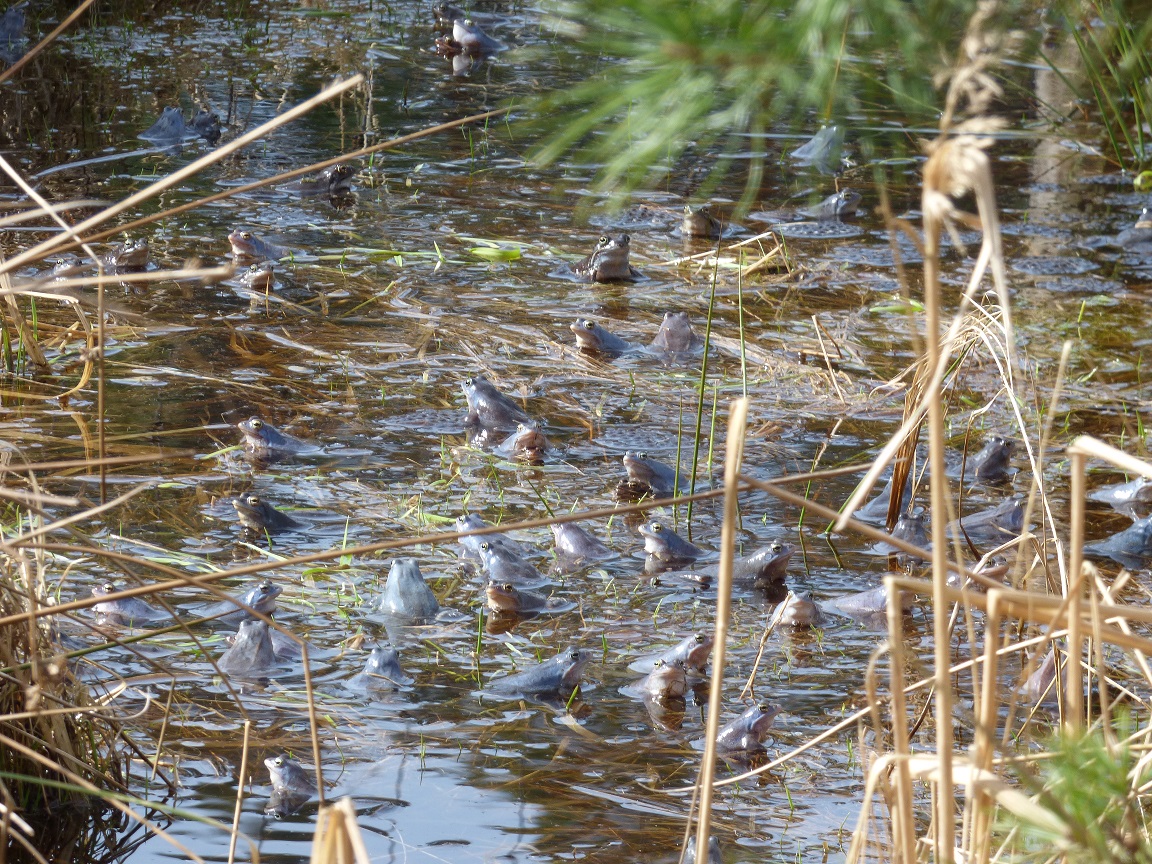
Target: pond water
(389, 303)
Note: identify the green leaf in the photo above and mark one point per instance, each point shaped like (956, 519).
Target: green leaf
(489, 253)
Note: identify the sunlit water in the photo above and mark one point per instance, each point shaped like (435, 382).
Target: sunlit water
(362, 349)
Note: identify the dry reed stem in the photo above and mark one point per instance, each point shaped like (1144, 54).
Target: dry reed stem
(288, 175)
(733, 457)
(75, 232)
(239, 792)
(45, 42)
(337, 839)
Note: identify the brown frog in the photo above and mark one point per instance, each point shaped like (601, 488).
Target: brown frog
(608, 261)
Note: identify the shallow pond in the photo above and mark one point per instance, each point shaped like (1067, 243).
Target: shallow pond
(392, 300)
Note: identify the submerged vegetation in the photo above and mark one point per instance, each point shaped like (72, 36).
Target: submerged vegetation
(954, 711)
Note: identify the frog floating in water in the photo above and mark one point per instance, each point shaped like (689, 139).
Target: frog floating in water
(575, 545)
(131, 256)
(334, 181)
(526, 444)
(699, 222)
(559, 676)
(501, 565)
(251, 654)
(506, 597)
(667, 680)
(608, 261)
(260, 517)
(747, 732)
(264, 441)
(489, 410)
(653, 476)
(472, 522)
(676, 335)
(591, 337)
(249, 248)
(259, 277)
(692, 651)
(665, 545)
(292, 786)
(260, 597)
(382, 671)
(125, 611)
(406, 594)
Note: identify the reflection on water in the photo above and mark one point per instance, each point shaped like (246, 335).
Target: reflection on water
(387, 303)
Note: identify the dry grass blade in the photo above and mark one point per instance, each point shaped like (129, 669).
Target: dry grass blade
(154, 189)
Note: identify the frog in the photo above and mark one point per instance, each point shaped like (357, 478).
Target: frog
(260, 276)
(676, 335)
(131, 256)
(667, 680)
(993, 525)
(1132, 547)
(992, 463)
(248, 247)
(264, 441)
(260, 598)
(292, 786)
(251, 654)
(490, 409)
(575, 544)
(260, 517)
(502, 566)
(665, 545)
(382, 671)
(406, 594)
(471, 40)
(473, 522)
(559, 676)
(747, 732)
(660, 479)
(699, 222)
(125, 611)
(911, 528)
(506, 597)
(764, 569)
(335, 181)
(692, 651)
(608, 261)
(593, 338)
(526, 444)
(799, 611)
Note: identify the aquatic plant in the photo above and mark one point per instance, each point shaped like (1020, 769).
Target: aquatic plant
(715, 75)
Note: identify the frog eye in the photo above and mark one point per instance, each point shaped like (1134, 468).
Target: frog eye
(603, 241)
(507, 587)
(256, 423)
(625, 239)
(660, 664)
(467, 22)
(574, 656)
(278, 761)
(776, 546)
(253, 500)
(655, 526)
(245, 235)
(109, 587)
(485, 546)
(700, 638)
(470, 382)
(640, 454)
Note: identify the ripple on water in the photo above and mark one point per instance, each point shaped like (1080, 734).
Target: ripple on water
(1060, 265)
